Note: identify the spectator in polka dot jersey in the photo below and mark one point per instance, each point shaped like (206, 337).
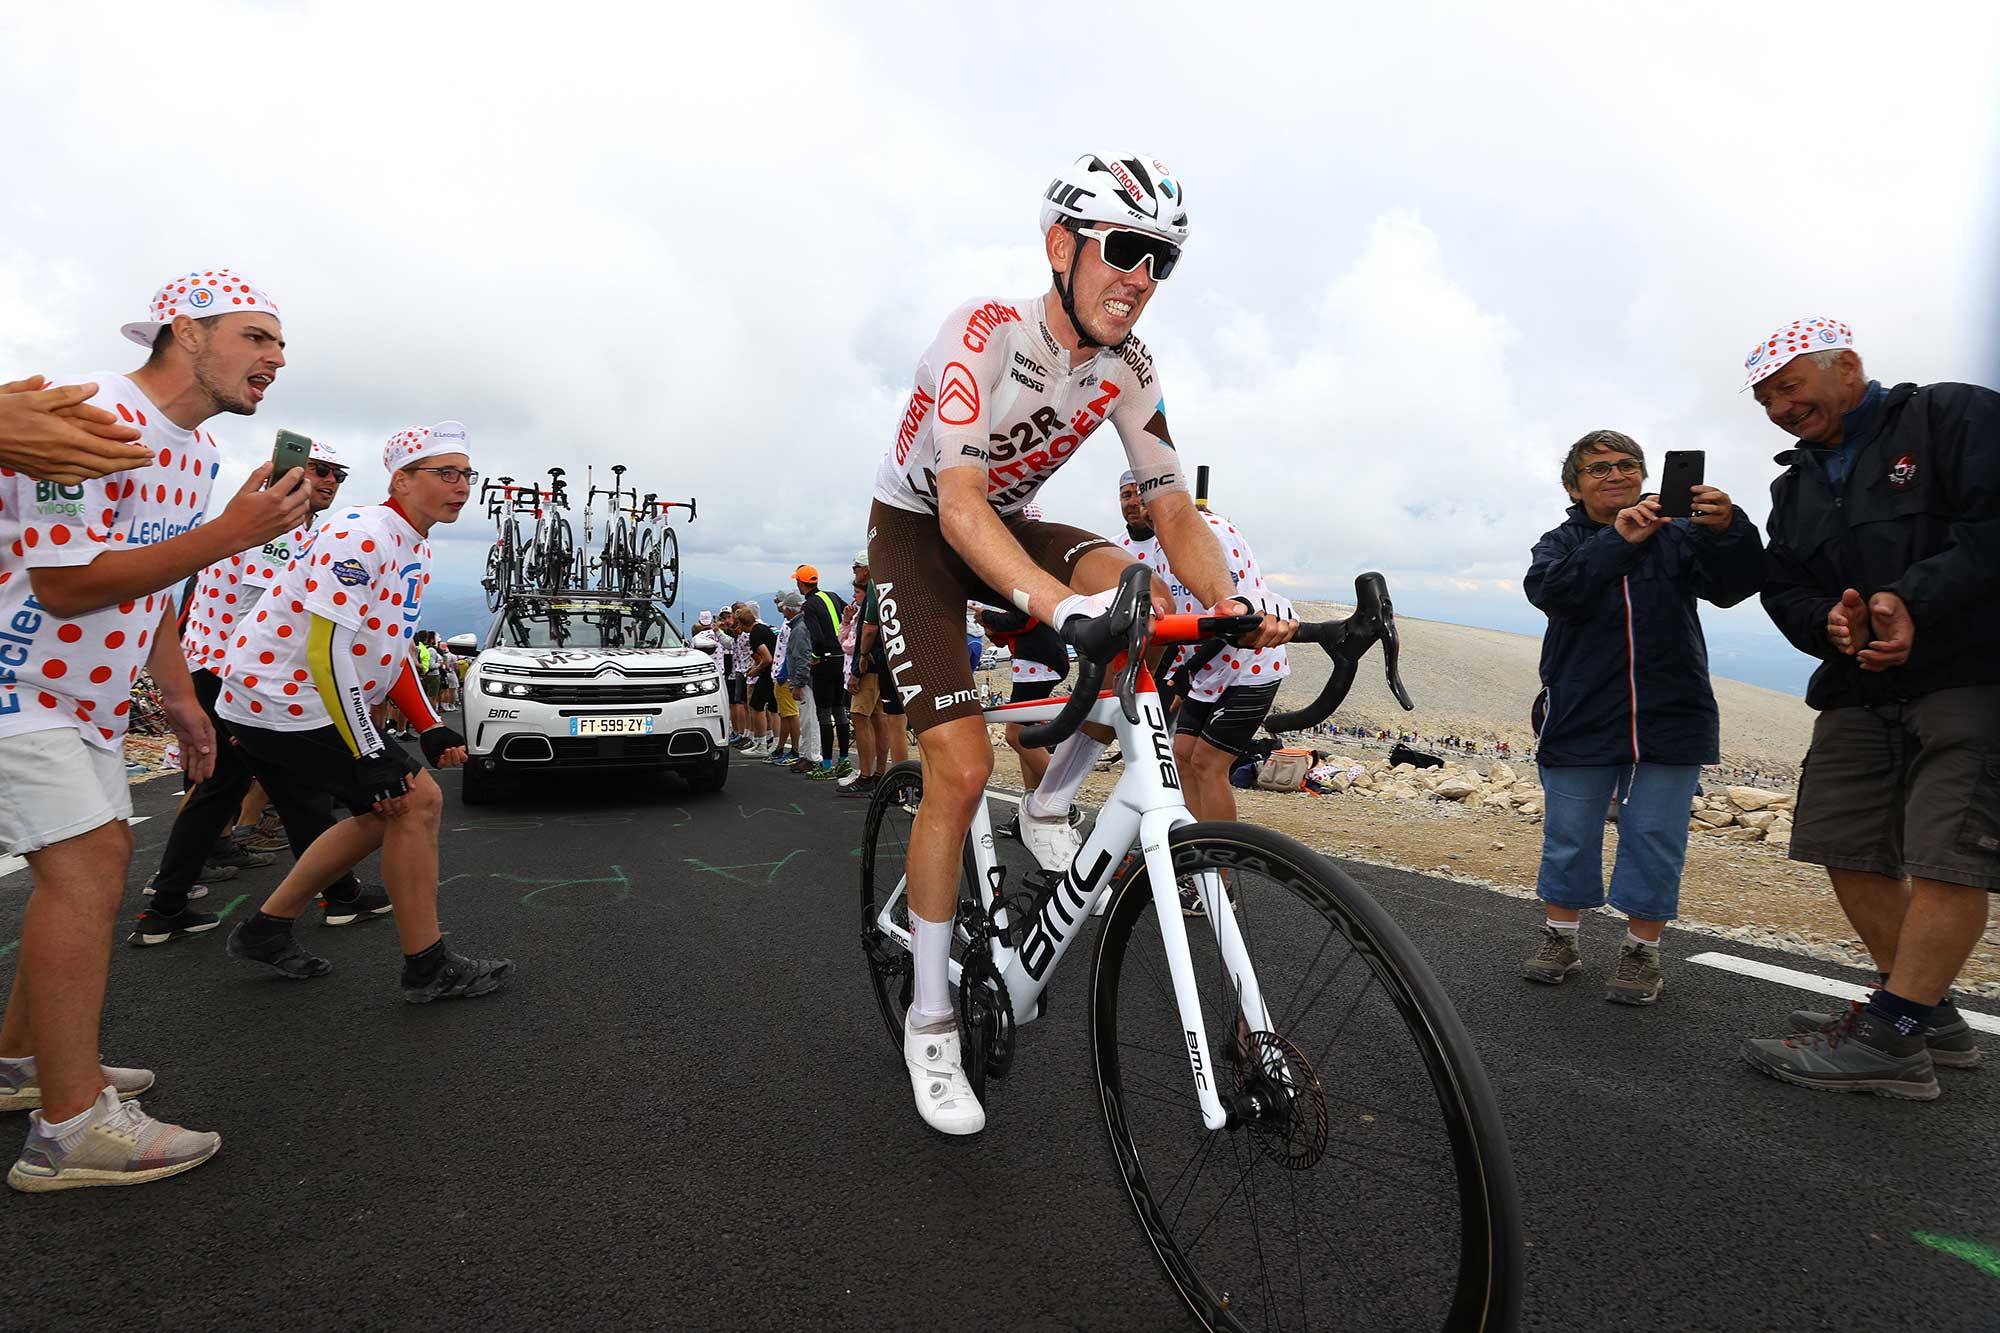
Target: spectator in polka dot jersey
(85, 570)
(224, 599)
(298, 688)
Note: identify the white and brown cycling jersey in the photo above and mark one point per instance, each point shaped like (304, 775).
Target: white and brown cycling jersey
(996, 390)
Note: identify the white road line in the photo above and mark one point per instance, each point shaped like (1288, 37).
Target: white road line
(1003, 796)
(9, 864)
(1845, 990)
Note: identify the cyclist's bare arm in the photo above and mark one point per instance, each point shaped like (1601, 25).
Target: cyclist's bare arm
(983, 542)
(1196, 557)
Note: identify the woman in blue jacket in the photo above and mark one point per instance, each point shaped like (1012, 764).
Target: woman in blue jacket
(1627, 714)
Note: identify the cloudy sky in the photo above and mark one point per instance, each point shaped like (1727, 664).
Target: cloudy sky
(1432, 244)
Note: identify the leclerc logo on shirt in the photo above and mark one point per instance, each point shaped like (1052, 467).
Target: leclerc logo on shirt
(412, 575)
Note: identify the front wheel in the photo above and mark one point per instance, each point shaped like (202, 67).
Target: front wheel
(670, 566)
(1365, 1180)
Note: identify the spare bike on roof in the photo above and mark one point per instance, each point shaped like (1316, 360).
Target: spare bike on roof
(1284, 1092)
(641, 555)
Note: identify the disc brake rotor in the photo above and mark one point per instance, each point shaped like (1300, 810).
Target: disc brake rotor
(1291, 1130)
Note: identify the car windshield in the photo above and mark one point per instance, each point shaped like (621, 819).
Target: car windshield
(579, 623)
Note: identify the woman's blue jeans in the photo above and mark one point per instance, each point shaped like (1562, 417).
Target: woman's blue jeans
(1653, 802)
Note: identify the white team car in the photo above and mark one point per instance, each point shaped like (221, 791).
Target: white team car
(573, 681)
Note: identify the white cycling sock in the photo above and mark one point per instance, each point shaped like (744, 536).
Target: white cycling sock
(1068, 767)
(1566, 925)
(930, 946)
(1634, 939)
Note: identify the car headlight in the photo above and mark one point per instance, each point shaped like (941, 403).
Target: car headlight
(518, 689)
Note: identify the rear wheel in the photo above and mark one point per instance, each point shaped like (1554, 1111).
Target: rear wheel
(1360, 1116)
(670, 566)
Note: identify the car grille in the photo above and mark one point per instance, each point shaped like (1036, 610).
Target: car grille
(614, 750)
(637, 692)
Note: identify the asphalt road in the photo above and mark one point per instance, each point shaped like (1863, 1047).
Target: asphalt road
(684, 1113)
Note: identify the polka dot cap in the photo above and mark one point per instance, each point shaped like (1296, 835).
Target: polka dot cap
(1795, 339)
(323, 452)
(416, 443)
(199, 294)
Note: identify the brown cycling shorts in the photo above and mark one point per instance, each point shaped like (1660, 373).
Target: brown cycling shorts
(923, 586)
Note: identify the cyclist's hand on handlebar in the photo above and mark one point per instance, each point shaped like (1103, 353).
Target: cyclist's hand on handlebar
(1280, 621)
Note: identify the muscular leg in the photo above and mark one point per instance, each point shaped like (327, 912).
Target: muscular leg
(1034, 761)
(57, 1003)
(1938, 934)
(958, 759)
(1876, 907)
(332, 854)
(409, 863)
(1205, 777)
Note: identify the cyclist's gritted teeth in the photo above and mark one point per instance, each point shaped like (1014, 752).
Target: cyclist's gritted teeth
(1117, 309)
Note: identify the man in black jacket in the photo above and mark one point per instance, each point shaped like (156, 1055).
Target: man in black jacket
(821, 617)
(1884, 563)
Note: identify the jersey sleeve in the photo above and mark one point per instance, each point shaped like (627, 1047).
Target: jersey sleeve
(958, 373)
(1140, 418)
(330, 661)
(345, 568)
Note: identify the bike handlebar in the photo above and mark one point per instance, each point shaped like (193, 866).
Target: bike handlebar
(1125, 628)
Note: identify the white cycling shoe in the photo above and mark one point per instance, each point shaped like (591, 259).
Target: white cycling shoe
(1052, 841)
(937, 1076)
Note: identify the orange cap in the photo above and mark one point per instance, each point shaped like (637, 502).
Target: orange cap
(806, 574)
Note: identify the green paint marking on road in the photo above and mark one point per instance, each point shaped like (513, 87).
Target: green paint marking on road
(794, 808)
(1985, 1258)
(617, 876)
(463, 874)
(726, 871)
(237, 902)
(504, 824)
(9, 947)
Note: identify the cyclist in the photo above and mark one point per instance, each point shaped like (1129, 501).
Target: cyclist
(225, 595)
(297, 689)
(1224, 695)
(1005, 395)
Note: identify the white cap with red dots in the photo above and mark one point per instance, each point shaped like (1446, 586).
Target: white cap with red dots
(1818, 334)
(198, 295)
(416, 443)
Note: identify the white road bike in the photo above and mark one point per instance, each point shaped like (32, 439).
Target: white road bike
(1295, 1111)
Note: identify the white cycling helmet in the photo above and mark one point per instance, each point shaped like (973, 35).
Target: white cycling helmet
(1132, 190)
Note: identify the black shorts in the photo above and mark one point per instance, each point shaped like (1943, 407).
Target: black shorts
(763, 697)
(1906, 789)
(1230, 722)
(316, 760)
(923, 586)
(734, 685)
(1029, 691)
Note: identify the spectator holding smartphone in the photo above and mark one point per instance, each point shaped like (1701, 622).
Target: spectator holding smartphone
(1885, 565)
(1627, 711)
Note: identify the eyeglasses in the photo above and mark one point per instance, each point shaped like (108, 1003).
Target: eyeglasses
(451, 476)
(325, 470)
(1125, 249)
(1624, 467)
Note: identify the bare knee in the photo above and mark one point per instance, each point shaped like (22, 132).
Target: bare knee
(425, 802)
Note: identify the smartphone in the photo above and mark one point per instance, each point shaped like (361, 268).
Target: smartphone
(1679, 475)
(293, 449)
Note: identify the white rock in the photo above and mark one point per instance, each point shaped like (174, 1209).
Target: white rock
(1753, 798)
(1713, 819)
(1502, 774)
(1456, 788)
(1757, 819)
(1497, 800)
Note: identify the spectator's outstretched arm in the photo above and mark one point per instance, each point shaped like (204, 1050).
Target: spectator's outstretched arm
(1565, 575)
(54, 434)
(1728, 565)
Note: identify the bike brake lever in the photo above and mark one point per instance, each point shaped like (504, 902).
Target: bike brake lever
(1385, 619)
(1137, 633)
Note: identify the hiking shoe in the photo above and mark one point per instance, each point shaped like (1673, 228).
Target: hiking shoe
(197, 891)
(458, 976)
(1054, 842)
(1947, 1035)
(21, 1091)
(372, 901)
(1556, 959)
(863, 786)
(118, 1145)
(227, 854)
(1637, 979)
(159, 928)
(257, 840)
(937, 1076)
(1858, 1052)
(280, 951)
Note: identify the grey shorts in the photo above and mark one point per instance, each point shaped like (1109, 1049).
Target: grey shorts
(57, 786)
(1906, 789)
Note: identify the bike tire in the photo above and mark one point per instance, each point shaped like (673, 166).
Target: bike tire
(1430, 1050)
(884, 847)
(495, 579)
(670, 566)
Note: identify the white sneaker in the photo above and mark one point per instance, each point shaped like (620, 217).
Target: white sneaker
(937, 1076)
(1053, 842)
